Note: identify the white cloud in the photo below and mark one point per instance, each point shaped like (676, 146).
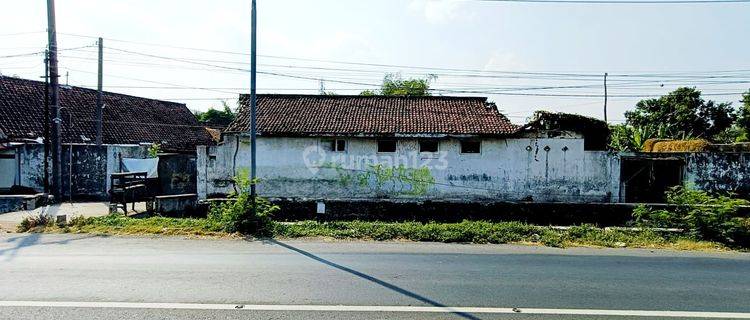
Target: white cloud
(437, 11)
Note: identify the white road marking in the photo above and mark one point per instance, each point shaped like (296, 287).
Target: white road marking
(343, 308)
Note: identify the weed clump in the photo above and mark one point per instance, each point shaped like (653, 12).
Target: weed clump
(244, 214)
(703, 216)
(34, 222)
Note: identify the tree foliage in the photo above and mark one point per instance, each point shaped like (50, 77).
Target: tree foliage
(395, 85)
(683, 113)
(215, 117)
(624, 137)
(743, 118)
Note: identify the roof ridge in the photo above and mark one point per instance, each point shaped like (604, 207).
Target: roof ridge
(5, 77)
(335, 96)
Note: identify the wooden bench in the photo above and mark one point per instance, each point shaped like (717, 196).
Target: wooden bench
(127, 187)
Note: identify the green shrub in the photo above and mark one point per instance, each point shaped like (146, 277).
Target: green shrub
(243, 214)
(701, 215)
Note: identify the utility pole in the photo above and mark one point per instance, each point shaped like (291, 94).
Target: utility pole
(253, 98)
(54, 103)
(605, 97)
(100, 95)
(46, 122)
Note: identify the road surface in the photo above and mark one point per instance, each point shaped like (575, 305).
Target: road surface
(88, 277)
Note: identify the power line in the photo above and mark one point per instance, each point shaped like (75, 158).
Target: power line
(42, 52)
(680, 75)
(492, 89)
(376, 85)
(506, 91)
(19, 33)
(575, 74)
(621, 1)
(155, 82)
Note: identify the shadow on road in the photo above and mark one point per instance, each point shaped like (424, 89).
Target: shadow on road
(371, 279)
(32, 239)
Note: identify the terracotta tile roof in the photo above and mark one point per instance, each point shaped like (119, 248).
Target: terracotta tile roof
(127, 119)
(296, 115)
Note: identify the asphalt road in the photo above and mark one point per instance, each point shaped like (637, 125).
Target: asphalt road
(85, 277)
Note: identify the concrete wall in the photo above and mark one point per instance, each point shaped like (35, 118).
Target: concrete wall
(32, 166)
(719, 172)
(538, 169)
(177, 174)
(90, 170)
(86, 175)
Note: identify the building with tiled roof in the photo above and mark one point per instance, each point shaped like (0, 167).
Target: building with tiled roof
(310, 115)
(130, 126)
(343, 147)
(126, 119)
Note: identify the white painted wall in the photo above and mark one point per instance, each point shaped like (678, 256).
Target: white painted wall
(506, 169)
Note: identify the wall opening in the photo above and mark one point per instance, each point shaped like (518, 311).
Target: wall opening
(8, 169)
(647, 179)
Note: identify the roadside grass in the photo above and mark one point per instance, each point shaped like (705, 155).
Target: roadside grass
(494, 232)
(116, 224)
(461, 232)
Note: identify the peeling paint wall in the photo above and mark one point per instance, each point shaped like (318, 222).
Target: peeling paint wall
(91, 166)
(727, 172)
(32, 166)
(87, 174)
(538, 169)
(177, 174)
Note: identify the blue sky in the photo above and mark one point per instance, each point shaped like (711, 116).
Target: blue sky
(479, 39)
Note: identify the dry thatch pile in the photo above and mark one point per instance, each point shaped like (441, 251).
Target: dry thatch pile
(665, 145)
(595, 131)
(214, 133)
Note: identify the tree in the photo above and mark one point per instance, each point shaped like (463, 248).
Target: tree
(623, 137)
(394, 85)
(743, 118)
(216, 118)
(683, 113)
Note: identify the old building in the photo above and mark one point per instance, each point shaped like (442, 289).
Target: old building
(375, 147)
(130, 124)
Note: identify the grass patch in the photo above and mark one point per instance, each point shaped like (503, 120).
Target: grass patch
(462, 232)
(121, 225)
(493, 232)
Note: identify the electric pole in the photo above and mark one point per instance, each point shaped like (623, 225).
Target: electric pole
(253, 98)
(100, 95)
(54, 103)
(46, 121)
(605, 97)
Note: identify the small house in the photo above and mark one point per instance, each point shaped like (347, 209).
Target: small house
(130, 126)
(409, 148)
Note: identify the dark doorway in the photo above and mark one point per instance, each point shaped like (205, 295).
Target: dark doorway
(647, 179)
